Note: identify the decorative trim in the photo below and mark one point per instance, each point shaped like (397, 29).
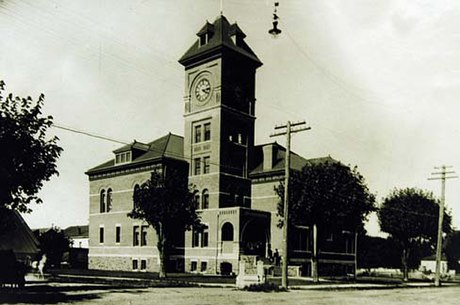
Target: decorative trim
(113, 172)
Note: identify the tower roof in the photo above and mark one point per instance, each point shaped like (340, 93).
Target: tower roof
(214, 39)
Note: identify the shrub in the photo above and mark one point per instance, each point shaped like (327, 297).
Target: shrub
(265, 287)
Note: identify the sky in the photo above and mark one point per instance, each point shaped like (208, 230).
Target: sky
(377, 81)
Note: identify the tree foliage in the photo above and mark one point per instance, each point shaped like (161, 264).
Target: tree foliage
(168, 204)
(28, 156)
(452, 250)
(377, 252)
(54, 243)
(410, 216)
(327, 194)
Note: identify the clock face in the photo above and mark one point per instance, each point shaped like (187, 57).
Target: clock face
(202, 90)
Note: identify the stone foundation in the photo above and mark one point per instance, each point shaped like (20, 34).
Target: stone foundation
(121, 264)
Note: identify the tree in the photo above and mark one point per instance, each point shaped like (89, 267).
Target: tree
(54, 243)
(410, 216)
(377, 252)
(168, 204)
(28, 156)
(327, 196)
(452, 249)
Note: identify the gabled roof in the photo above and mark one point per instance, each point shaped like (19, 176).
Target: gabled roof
(17, 236)
(169, 146)
(279, 160)
(220, 32)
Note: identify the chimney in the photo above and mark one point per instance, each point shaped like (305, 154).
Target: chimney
(270, 152)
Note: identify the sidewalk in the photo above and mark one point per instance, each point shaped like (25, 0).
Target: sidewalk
(138, 282)
(324, 285)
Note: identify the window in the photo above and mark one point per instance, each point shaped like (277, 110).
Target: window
(117, 234)
(143, 264)
(203, 39)
(102, 202)
(205, 199)
(135, 264)
(204, 266)
(123, 157)
(109, 200)
(105, 201)
(207, 131)
(195, 238)
(227, 232)
(198, 134)
(193, 265)
(136, 236)
(197, 166)
(136, 189)
(207, 165)
(204, 237)
(144, 235)
(197, 200)
(101, 235)
(237, 199)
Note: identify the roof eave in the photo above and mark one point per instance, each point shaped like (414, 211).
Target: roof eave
(122, 166)
(212, 53)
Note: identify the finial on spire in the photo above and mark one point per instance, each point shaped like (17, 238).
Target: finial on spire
(221, 7)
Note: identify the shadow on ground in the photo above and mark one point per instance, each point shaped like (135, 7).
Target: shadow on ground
(46, 294)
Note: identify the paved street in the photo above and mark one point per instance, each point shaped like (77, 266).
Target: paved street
(94, 294)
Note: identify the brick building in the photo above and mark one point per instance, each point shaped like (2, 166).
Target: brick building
(234, 177)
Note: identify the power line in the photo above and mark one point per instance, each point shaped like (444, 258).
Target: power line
(105, 138)
(109, 139)
(86, 133)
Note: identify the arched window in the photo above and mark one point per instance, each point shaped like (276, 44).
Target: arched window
(197, 200)
(205, 199)
(102, 202)
(109, 200)
(227, 232)
(136, 189)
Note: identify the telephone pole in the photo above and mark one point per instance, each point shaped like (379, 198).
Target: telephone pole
(442, 175)
(287, 131)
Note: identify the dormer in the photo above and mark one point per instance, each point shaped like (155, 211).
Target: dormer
(130, 152)
(205, 34)
(236, 35)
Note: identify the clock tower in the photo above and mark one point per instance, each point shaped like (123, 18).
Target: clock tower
(219, 103)
(219, 117)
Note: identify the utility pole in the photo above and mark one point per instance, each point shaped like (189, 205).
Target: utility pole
(443, 176)
(288, 130)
